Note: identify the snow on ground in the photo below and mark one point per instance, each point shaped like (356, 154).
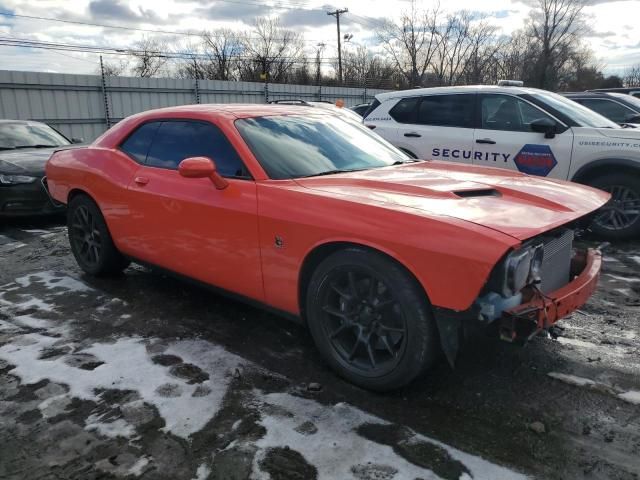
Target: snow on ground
(337, 450)
(571, 379)
(335, 445)
(631, 397)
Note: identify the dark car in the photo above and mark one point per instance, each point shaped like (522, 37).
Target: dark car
(633, 91)
(361, 108)
(617, 107)
(25, 147)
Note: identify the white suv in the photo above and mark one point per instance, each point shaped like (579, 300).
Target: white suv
(525, 129)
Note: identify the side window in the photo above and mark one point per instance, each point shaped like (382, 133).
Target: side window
(177, 140)
(405, 111)
(504, 112)
(447, 110)
(138, 143)
(612, 110)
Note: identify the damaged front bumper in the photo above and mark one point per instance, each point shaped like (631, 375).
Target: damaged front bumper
(540, 311)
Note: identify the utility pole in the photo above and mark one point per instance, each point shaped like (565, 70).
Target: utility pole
(105, 96)
(336, 13)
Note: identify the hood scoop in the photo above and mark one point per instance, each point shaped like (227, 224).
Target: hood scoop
(478, 192)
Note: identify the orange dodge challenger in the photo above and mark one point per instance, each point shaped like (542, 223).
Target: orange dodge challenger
(385, 258)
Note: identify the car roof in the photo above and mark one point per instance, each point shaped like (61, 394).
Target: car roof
(462, 89)
(237, 110)
(588, 94)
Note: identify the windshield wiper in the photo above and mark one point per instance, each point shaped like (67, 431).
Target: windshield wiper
(402, 162)
(7, 148)
(332, 172)
(39, 145)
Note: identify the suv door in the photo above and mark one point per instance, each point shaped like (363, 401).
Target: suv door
(186, 225)
(504, 138)
(438, 127)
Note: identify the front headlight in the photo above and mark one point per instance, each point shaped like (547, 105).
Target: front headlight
(522, 268)
(16, 179)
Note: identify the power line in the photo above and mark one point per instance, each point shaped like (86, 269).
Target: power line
(135, 29)
(24, 43)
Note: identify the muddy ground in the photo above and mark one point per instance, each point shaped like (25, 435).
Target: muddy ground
(144, 376)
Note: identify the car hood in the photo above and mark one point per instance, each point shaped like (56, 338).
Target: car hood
(29, 161)
(621, 133)
(21, 162)
(518, 205)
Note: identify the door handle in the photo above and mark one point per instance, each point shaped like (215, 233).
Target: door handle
(488, 141)
(141, 180)
(412, 134)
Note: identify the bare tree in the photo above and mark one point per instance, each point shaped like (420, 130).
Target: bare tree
(412, 42)
(114, 68)
(556, 26)
(150, 57)
(632, 77)
(453, 49)
(222, 47)
(271, 50)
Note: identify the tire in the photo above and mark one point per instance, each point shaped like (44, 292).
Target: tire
(614, 221)
(90, 240)
(355, 298)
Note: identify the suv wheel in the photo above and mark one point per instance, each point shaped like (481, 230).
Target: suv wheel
(90, 239)
(370, 320)
(620, 218)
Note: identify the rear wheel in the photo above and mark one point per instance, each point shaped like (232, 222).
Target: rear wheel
(620, 218)
(370, 320)
(90, 239)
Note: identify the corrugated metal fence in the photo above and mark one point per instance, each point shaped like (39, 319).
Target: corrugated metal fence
(75, 104)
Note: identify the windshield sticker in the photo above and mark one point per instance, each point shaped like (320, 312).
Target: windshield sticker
(456, 153)
(535, 160)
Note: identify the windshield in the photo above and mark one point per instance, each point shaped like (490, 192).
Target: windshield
(29, 135)
(576, 112)
(296, 146)
(628, 99)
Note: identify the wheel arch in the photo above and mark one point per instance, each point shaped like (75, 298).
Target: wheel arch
(74, 192)
(590, 171)
(321, 251)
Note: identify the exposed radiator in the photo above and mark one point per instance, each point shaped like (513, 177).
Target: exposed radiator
(556, 263)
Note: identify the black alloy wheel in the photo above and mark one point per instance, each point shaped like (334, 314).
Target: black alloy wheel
(85, 236)
(370, 319)
(363, 321)
(619, 219)
(90, 240)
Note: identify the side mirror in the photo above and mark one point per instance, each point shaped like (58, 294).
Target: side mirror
(632, 118)
(546, 126)
(77, 140)
(202, 167)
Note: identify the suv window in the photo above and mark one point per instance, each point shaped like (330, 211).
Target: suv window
(405, 111)
(504, 112)
(607, 108)
(138, 143)
(447, 110)
(176, 140)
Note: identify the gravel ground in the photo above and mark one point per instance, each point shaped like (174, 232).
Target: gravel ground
(144, 376)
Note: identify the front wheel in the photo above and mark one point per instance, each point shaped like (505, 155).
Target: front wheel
(370, 319)
(90, 239)
(619, 219)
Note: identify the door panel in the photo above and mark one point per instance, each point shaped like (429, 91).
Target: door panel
(438, 127)
(188, 226)
(504, 139)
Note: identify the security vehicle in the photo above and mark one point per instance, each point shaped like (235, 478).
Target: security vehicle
(383, 257)
(528, 130)
(617, 107)
(25, 147)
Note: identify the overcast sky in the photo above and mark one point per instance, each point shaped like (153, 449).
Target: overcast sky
(615, 38)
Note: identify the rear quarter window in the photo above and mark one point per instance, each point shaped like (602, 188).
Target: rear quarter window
(138, 143)
(406, 110)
